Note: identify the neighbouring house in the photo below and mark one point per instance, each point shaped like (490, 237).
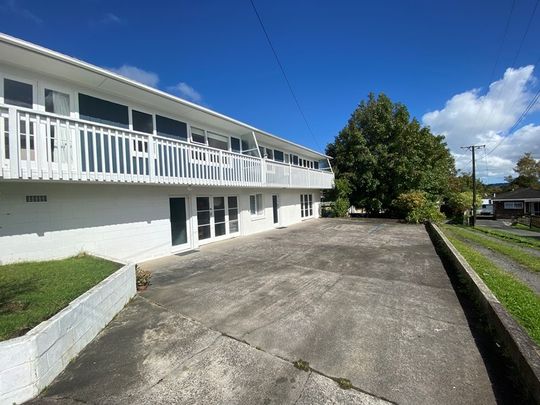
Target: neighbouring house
(92, 161)
(512, 204)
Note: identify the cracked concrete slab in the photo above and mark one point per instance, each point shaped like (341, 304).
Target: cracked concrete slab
(364, 300)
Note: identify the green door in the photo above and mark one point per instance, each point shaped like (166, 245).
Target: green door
(177, 207)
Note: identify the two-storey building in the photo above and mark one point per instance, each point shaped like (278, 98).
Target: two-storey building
(91, 161)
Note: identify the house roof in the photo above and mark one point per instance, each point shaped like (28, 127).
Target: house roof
(17, 51)
(519, 194)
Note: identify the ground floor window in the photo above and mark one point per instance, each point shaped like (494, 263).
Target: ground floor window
(513, 205)
(217, 216)
(306, 205)
(256, 205)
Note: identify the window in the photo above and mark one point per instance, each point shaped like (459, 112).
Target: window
(270, 154)
(219, 216)
(142, 122)
(278, 156)
(263, 152)
(36, 198)
(306, 205)
(18, 93)
(235, 145)
(513, 205)
(233, 214)
(287, 158)
(294, 159)
(170, 128)
(218, 141)
(103, 111)
(198, 136)
(316, 165)
(203, 217)
(256, 205)
(56, 102)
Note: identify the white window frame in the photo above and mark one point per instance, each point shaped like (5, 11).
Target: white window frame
(513, 205)
(259, 206)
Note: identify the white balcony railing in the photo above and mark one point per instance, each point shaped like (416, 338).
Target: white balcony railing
(42, 146)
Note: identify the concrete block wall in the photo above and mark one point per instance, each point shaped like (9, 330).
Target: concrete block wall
(31, 362)
(129, 223)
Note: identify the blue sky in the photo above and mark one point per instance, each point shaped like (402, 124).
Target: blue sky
(435, 57)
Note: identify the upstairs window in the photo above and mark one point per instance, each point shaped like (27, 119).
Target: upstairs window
(294, 160)
(278, 156)
(316, 165)
(103, 111)
(218, 141)
(270, 154)
(235, 145)
(142, 122)
(18, 93)
(263, 152)
(171, 128)
(198, 136)
(56, 102)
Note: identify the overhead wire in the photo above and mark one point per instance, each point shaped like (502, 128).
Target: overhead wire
(284, 74)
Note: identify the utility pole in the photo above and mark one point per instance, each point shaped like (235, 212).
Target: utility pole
(472, 148)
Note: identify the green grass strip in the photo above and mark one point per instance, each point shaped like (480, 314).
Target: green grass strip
(520, 301)
(526, 228)
(32, 292)
(524, 240)
(529, 261)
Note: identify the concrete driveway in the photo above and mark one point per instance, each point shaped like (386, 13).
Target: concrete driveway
(368, 301)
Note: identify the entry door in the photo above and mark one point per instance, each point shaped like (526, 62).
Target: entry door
(179, 223)
(275, 208)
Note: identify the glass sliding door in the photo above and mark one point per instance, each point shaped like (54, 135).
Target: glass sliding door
(203, 218)
(179, 222)
(233, 214)
(219, 216)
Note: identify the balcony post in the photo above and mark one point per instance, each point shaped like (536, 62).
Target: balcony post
(290, 175)
(14, 160)
(263, 171)
(221, 181)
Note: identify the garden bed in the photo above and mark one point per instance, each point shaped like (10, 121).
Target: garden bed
(32, 292)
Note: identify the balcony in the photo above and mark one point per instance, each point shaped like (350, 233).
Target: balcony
(41, 146)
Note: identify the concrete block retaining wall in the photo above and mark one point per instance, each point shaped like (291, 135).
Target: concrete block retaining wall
(522, 350)
(31, 362)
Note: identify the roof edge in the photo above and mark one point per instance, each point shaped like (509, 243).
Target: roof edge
(102, 71)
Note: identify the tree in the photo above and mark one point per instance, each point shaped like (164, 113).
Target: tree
(383, 153)
(416, 207)
(528, 170)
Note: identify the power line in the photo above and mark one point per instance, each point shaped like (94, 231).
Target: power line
(503, 40)
(525, 33)
(283, 72)
(519, 120)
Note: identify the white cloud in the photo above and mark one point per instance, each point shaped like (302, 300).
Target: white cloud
(187, 92)
(110, 18)
(139, 75)
(472, 117)
(14, 7)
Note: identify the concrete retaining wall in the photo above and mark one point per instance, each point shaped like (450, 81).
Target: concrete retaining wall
(520, 348)
(30, 362)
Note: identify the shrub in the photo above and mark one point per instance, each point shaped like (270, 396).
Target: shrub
(415, 207)
(340, 207)
(143, 278)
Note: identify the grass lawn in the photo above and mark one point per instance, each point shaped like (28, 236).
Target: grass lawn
(31, 292)
(520, 301)
(526, 228)
(525, 240)
(529, 261)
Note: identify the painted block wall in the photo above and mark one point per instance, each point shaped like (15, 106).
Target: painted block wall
(31, 362)
(122, 222)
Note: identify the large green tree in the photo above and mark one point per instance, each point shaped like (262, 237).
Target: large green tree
(528, 171)
(383, 153)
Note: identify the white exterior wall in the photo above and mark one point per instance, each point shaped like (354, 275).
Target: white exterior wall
(123, 222)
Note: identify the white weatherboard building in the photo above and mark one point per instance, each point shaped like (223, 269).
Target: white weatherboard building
(92, 161)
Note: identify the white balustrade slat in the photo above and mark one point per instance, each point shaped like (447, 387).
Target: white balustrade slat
(52, 147)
